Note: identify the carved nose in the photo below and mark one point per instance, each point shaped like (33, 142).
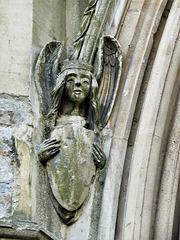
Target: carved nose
(78, 83)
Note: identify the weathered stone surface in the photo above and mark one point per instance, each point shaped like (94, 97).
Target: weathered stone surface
(13, 112)
(49, 23)
(16, 39)
(14, 230)
(74, 14)
(150, 135)
(72, 170)
(135, 60)
(24, 31)
(8, 172)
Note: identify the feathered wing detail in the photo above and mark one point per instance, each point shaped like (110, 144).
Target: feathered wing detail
(47, 68)
(108, 77)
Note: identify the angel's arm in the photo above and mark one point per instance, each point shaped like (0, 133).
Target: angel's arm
(48, 149)
(99, 156)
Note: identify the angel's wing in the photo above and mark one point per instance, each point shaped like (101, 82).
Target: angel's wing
(109, 77)
(46, 71)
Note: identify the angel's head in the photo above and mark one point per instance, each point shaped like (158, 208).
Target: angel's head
(75, 92)
(77, 86)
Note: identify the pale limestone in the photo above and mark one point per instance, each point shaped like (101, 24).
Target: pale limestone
(147, 149)
(169, 185)
(16, 40)
(28, 32)
(132, 75)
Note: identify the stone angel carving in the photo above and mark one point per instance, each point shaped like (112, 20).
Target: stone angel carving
(75, 106)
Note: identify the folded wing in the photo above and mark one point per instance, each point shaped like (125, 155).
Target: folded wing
(47, 68)
(109, 77)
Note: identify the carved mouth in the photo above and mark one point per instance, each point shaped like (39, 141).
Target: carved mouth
(77, 91)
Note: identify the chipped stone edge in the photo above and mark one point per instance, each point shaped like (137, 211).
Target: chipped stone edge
(26, 229)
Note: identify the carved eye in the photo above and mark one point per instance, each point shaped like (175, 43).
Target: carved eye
(70, 80)
(86, 82)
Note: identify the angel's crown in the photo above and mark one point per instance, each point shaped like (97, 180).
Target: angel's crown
(75, 64)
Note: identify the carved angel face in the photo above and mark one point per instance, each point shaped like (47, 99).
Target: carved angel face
(78, 85)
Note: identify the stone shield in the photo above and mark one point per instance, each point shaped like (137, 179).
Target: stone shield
(72, 170)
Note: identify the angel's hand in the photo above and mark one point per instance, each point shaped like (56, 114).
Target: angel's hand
(99, 156)
(48, 148)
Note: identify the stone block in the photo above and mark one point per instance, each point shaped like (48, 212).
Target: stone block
(15, 46)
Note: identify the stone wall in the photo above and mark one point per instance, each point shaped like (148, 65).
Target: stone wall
(25, 29)
(140, 185)
(15, 68)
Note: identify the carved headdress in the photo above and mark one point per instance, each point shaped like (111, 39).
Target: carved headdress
(51, 68)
